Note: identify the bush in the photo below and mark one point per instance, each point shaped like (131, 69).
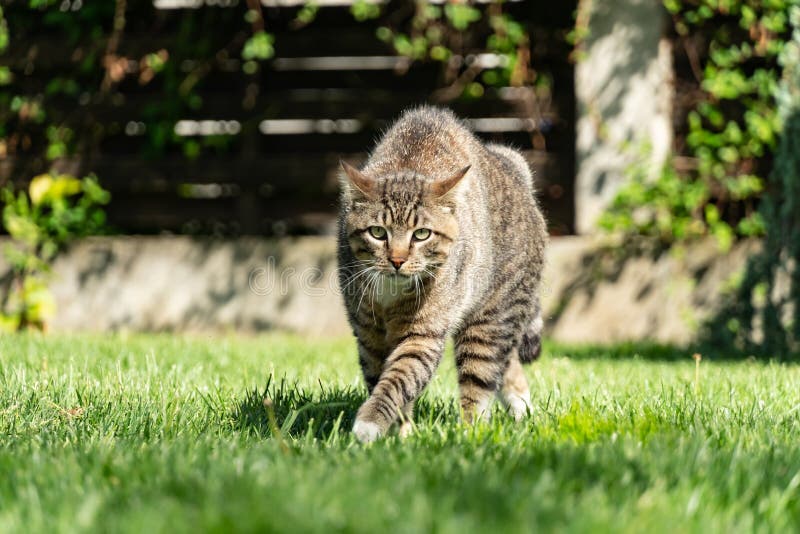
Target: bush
(731, 127)
(763, 315)
(54, 211)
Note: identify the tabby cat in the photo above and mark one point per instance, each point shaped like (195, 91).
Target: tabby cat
(440, 234)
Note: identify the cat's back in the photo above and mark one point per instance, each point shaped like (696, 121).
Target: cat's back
(428, 140)
(519, 230)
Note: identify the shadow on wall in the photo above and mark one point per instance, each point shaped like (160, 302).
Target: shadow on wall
(695, 301)
(591, 293)
(196, 284)
(627, 292)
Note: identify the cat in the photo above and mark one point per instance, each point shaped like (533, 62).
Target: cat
(440, 235)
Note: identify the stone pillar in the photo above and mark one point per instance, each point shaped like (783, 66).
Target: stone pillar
(623, 87)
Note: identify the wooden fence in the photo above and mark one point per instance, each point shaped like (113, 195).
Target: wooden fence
(330, 89)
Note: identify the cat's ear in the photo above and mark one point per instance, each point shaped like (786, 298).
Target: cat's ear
(440, 188)
(358, 180)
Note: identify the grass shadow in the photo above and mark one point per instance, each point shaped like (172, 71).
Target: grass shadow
(617, 351)
(283, 408)
(647, 350)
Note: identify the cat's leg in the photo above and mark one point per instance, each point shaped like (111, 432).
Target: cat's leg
(515, 394)
(483, 349)
(371, 366)
(371, 360)
(407, 371)
(531, 344)
(407, 420)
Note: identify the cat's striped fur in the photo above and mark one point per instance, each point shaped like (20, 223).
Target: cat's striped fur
(440, 234)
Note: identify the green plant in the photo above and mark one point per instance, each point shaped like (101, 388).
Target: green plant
(670, 208)
(763, 314)
(54, 211)
(732, 126)
(437, 34)
(68, 118)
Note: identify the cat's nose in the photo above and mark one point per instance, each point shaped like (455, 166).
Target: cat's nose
(397, 262)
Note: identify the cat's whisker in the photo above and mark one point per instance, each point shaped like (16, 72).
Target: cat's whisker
(429, 273)
(356, 274)
(355, 267)
(356, 263)
(353, 278)
(365, 288)
(374, 286)
(424, 292)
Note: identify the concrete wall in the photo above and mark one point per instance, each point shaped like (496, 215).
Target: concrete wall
(594, 294)
(624, 93)
(182, 283)
(251, 284)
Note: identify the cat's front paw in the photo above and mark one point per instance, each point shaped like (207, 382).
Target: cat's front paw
(366, 431)
(519, 406)
(406, 429)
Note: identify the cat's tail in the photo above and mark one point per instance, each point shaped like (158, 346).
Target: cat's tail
(531, 345)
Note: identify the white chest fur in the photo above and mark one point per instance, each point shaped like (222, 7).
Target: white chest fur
(389, 289)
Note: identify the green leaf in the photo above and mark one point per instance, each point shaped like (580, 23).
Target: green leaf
(461, 15)
(363, 10)
(259, 47)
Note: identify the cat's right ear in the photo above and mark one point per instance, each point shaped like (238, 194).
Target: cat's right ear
(358, 180)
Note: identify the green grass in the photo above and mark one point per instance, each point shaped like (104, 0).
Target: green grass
(165, 433)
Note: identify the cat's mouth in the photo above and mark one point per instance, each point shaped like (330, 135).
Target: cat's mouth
(397, 275)
(403, 272)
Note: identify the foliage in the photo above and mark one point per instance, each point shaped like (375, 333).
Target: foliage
(56, 210)
(763, 314)
(732, 126)
(669, 208)
(164, 433)
(436, 33)
(104, 69)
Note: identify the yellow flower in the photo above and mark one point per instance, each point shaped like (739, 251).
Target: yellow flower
(39, 187)
(47, 188)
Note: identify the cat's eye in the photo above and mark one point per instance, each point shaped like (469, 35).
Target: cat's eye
(421, 234)
(378, 232)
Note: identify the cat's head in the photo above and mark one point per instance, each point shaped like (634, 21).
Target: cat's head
(401, 223)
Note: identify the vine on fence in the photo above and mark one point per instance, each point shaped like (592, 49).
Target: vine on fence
(100, 66)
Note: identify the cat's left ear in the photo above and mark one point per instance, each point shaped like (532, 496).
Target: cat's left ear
(358, 180)
(440, 188)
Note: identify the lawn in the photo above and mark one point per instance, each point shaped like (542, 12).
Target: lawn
(166, 433)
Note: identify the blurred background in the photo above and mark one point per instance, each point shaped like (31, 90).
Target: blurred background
(171, 164)
(229, 118)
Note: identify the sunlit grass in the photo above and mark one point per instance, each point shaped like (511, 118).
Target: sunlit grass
(169, 433)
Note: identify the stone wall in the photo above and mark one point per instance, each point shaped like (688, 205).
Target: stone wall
(595, 295)
(624, 92)
(187, 284)
(252, 284)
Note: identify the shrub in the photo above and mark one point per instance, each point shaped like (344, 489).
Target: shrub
(41, 221)
(731, 127)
